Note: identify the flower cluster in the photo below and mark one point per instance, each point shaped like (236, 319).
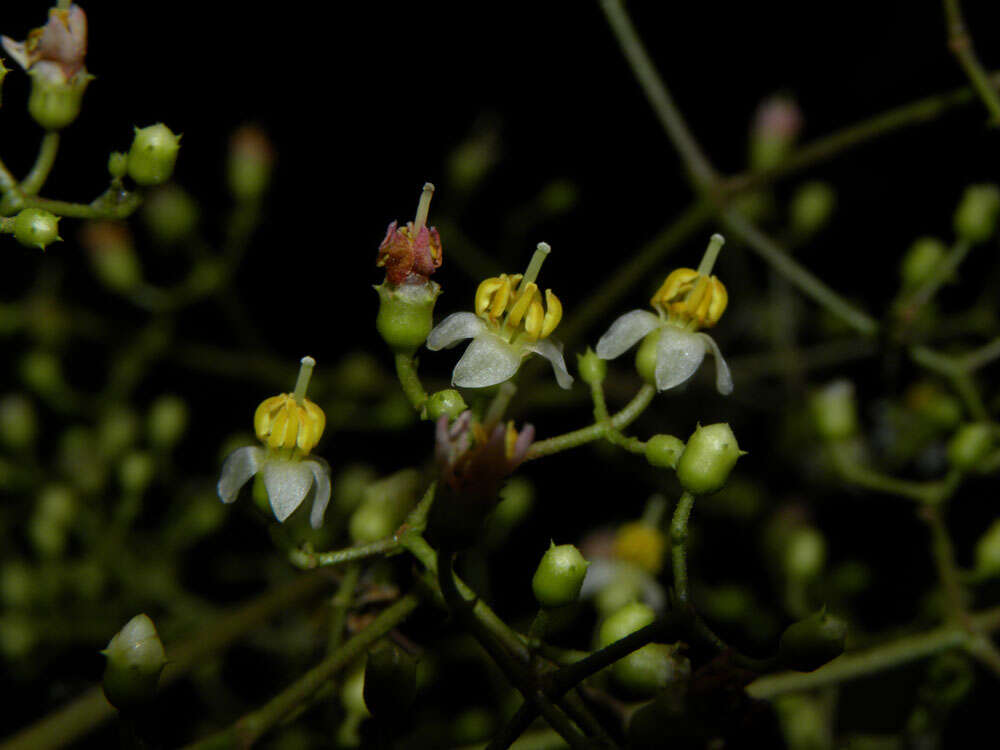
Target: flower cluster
(289, 426)
(510, 322)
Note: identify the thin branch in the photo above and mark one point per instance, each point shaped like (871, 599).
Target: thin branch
(960, 43)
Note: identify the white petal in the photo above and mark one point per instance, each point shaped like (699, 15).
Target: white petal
(287, 483)
(678, 354)
(488, 360)
(454, 328)
(553, 352)
(321, 475)
(723, 380)
(625, 333)
(240, 465)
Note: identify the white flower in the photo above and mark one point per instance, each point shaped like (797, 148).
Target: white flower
(510, 323)
(490, 358)
(679, 352)
(289, 425)
(686, 301)
(287, 480)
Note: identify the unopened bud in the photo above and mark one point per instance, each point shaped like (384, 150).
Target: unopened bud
(135, 659)
(112, 255)
(663, 451)
(167, 420)
(708, 458)
(251, 161)
(976, 215)
(811, 207)
(559, 576)
(18, 421)
(34, 227)
(171, 214)
(153, 154)
(921, 261)
(810, 643)
(448, 402)
(592, 368)
(834, 410)
(970, 444)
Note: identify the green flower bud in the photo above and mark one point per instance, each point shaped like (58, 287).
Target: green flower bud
(559, 576)
(170, 213)
(988, 551)
(167, 420)
(352, 692)
(17, 636)
(117, 430)
(135, 659)
(921, 261)
(42, 371)
(18, 421)
(117, 164)
(664, 450)
(55, 103)
(804, 553)
(630, 618)
(111, 251)
(34, 227)
(969, 445)
(810, 643)
(976, 215)
(645, 357)
(406, 314)
(650, 669)
(811, 207)
(153, 154)
(775, 129)
(592, 368)
(385, 506)
(448, 402)
(390, 682)
(135, 472)
(708, 458)
(250, 163)
(834, 410)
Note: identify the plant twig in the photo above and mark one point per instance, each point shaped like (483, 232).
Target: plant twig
(960, 43)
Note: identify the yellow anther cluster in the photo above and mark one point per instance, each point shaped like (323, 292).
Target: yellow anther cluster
(281, 423)
(692, 297)
(641, 544)
(523, 307)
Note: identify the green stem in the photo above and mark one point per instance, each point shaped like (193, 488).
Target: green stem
(982, 356)
(340, 605)
(960, 44)
(825, 148)
(46, 158)
(953, 369)
(925, 292)
(678, 546)
(89, 711)
(8, 183)
(248, 729)
(406, 371)
(796, 274)
(511, 641)
(922, 492)
(698, 166)
(307, 560)
(944, 561)
(875, 659)
(594, 432)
